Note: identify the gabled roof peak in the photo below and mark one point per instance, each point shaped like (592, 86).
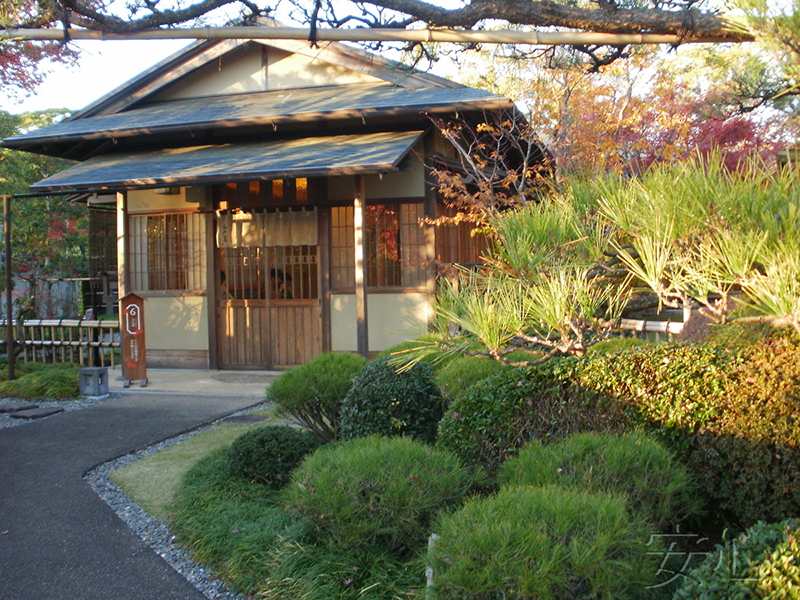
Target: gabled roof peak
(168, 72)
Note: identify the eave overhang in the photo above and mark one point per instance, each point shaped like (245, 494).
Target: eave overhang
(306, 157)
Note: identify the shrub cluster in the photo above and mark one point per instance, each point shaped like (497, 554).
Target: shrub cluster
(731, 416)
(385, 400)
(269, 454)
(377, 491)
(312, 393)
(763, 562)
(498, 415)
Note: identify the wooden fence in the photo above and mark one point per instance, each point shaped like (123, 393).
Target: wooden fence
(92, 343)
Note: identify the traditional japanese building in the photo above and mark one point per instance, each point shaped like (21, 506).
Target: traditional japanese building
(269, 197)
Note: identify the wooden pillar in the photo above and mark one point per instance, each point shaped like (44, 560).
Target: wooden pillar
(213, 282)
(362, 333)
(429, 209)
(123, 243)
(324, 274)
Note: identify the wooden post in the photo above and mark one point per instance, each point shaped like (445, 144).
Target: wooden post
(212, 281)
(122, 244)
(362, 332)
(9, 282)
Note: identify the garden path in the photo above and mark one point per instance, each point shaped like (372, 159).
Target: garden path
(58, 540)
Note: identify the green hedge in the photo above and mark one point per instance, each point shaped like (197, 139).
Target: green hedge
(729, 413)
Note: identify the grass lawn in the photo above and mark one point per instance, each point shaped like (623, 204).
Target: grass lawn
(152, 482)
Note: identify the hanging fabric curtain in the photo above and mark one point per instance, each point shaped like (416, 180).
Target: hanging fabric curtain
(248, 229)
(224, 230)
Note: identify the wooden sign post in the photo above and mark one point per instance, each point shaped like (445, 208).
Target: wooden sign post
(131, 316)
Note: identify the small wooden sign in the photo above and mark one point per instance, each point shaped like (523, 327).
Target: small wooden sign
(131, 314)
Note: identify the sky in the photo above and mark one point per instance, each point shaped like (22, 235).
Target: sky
(104, 66)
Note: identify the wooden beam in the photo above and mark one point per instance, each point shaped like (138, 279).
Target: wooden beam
(362, 333)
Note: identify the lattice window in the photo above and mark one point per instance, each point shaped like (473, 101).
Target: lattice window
(280, 272)
(458, 243)
(167, 252)
(395, 246)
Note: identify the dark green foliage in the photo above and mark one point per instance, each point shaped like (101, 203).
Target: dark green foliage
(500, 414)
(763, 562)
(230, 523)
(458, 377)
(387, 401)
(633, 464)
(377, 491)
(312, 393)
(38, 381)
(269, 454)
(546, 543)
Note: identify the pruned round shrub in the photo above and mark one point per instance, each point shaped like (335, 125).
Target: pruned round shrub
(269, 454)
(763, 562)
(500, 414)
(633, 464)
(547, 543)
(458, 376)
(389, 401)
(312, 393)
(377, 491)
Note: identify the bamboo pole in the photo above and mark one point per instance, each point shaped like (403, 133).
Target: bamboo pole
(375, 35)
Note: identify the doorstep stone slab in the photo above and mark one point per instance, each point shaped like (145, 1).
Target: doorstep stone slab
(16, 406)
(36, 413)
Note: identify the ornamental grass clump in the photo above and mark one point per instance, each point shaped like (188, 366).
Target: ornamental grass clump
(312, 393)
(269, 454)
(655, 484)
(388, 400)
(45, 382)
(547, 543)
(377, 491)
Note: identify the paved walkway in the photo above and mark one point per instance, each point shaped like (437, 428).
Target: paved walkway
(58, 540)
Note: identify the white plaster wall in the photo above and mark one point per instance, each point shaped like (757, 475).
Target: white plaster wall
(398, 184)
(288, 71)
(176, 323)
(237, 72)
(392, 318)
(147, 201)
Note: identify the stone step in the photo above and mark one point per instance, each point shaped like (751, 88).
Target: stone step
(16, 406)
(36, 413)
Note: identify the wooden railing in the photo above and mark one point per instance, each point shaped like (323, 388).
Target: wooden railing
(93, 343)
(671, 328)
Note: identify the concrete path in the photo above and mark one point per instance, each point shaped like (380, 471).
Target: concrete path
(58, 540)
